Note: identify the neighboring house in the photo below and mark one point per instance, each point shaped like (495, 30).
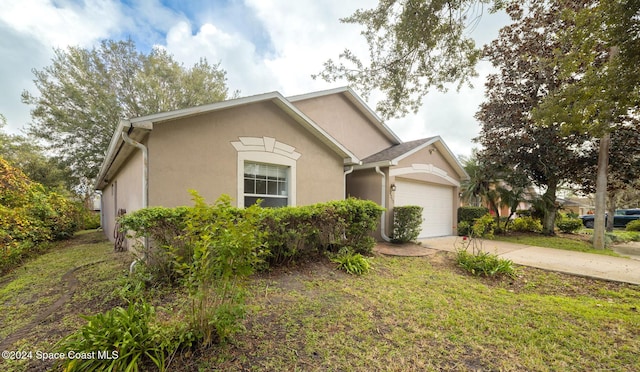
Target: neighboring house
(574, 205)
(286, 151)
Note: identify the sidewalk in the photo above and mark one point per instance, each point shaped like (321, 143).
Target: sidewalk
(577, 263)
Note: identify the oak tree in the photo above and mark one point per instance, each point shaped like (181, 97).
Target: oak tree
(84, 93)
(603, 96)
(511, 139)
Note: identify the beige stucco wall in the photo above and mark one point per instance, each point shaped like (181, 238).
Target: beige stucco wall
(196, 153)
(344, 122)
(367, 184)
(124, 191)
(428, 155)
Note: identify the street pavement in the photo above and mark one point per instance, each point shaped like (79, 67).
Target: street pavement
(591, 265)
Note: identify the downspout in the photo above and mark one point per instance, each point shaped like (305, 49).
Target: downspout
(101, 210)
(145, 181)
(145, 167)
(344, 183)
(383, 220)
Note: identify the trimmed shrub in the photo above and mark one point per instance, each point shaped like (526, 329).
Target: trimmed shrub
(471, 214)
(407, 221)
(359, 218)
(526, 224)
(168, 253)
(289, 232)
(633, 226)
(569, 225)
(294, 232)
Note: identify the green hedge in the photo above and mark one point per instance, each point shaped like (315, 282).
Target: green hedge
(407, 221)
(290, 233)
(569, 225)
(467, 217)
(470, 214)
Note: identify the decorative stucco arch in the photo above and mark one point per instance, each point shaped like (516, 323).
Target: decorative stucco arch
(425, 168)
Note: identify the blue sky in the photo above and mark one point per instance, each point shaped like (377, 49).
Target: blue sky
(264, 45)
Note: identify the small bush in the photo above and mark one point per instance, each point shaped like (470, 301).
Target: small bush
(127, 336)
(227, 246)
(485, 264)
(569, 225)
(627, 236)
(484, 227)
(471, 214)
(407, 223)
(526, 224)
(633, 226)
(352, 263)
(358, 219)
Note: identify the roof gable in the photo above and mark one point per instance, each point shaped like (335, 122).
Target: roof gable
(138, 128)
(393, 154)
(366, 111)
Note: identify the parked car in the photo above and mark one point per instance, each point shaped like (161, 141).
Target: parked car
(620, 219)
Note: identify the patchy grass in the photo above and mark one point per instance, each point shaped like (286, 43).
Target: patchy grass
(569, 242)
(33, 290)
(407, 314)
(426, 314)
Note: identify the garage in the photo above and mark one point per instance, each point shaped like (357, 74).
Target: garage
(436, 201)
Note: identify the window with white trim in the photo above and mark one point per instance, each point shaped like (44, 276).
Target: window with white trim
(267, 182)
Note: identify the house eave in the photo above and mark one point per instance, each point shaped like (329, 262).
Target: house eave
(117, 153)
(138, 128)
(384, 163)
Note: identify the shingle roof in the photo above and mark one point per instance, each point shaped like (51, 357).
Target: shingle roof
(395, 151)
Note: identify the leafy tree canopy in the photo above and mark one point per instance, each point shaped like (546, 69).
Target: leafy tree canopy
(414, 45)
(84, 93)
(24, 153)
(600, 58)
(512, 141)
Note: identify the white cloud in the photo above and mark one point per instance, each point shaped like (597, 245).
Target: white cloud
(245, 71)
(264, 45)
(64, 24)
(305, 34)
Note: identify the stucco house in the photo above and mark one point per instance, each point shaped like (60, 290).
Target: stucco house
(297, 150)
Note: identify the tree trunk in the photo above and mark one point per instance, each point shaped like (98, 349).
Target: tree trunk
(549, 199)
(611, 211)
(601, 192)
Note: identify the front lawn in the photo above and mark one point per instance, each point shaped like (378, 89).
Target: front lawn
(407, 314)
(568, 242)
(414, 314)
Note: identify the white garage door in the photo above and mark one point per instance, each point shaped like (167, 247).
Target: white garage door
(436, 201)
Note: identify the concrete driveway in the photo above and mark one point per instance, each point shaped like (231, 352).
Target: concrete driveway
(577, 263)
